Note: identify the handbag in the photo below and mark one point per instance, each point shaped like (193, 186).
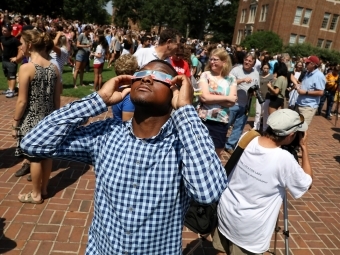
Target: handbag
(202, 218)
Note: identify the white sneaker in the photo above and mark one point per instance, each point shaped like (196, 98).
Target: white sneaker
(330, 114)
(10, 94)
(91, 84)
(5, 91)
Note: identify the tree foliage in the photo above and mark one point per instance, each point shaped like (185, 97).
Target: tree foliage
(305, 50)
(196, 17)
(264, 40)
(86, 10)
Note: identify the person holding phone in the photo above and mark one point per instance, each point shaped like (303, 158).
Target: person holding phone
(147, 169)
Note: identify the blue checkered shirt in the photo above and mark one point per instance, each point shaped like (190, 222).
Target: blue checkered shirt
(143, 186)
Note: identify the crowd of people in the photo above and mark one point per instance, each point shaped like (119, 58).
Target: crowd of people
(158, 151)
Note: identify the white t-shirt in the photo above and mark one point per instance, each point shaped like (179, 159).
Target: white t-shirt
(61, 60)
(248, 208)
(100, 60)
(145, 55)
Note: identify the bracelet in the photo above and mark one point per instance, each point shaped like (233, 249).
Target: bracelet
(15, 128)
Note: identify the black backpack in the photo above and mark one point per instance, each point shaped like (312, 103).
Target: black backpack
(202, 218)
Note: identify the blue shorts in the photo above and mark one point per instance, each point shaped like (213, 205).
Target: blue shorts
(81, 57)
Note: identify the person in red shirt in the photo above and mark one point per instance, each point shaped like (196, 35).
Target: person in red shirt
(180, 65)
(17, 28)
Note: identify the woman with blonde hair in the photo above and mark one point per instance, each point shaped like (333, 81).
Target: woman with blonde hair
(219, 92)
(39, 95)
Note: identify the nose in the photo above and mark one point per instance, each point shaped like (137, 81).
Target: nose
(147, 79)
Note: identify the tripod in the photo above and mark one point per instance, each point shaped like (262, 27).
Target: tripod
(285, 231)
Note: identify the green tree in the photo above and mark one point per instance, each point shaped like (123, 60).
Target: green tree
(305, 50)
(221, 20)
(264, 40)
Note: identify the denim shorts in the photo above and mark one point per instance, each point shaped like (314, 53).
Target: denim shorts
(81, 57)
(217, 131)
(10, 70)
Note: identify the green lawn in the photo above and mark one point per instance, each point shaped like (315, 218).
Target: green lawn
(69, 91)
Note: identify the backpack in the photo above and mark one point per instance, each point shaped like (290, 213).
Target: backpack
(202, 218)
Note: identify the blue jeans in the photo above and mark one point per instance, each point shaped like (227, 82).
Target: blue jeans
(239, 119)
(329, 95)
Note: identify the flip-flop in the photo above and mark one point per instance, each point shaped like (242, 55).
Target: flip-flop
(29, 199)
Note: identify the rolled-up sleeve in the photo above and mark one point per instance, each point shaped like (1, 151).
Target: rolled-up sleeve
(204, 176)
(61, 133)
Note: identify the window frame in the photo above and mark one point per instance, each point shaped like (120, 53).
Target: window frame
(323, 20)
(295, 22)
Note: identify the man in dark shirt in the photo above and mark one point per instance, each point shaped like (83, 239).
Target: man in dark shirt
(10, 58)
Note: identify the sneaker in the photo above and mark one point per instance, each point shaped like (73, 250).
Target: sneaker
(330, 115)
(5, 92)
(29, 178)
(10, 94)
(91, 84)
(25, 169)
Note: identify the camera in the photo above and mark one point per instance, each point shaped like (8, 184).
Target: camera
(255, 88)
(293, 147)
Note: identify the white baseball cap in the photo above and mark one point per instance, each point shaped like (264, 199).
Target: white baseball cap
(285, 121)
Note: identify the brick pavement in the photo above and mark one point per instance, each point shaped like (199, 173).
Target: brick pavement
(60, 224)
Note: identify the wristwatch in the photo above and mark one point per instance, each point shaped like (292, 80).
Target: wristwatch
(306, 92)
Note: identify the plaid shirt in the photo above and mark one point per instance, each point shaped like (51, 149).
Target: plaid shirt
(143, 186)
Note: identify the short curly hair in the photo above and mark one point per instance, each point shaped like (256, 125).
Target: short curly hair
(126, 64)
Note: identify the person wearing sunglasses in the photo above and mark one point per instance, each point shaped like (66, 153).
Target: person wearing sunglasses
(147, 169)
(311, 89)
(249, 206)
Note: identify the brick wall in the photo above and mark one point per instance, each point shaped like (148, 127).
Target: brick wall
(280, 19)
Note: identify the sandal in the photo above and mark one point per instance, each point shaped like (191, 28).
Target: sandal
(29, 199)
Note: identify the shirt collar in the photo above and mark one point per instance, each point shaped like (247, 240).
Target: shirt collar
(166, 130)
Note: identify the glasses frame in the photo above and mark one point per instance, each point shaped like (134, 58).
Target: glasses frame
(155, 75)
(302, 119)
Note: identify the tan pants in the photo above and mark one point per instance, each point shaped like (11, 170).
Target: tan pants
(221, 243)
(307, 112)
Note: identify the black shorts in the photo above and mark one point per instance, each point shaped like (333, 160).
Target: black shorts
(276, 102)
(217, 131)
(10, 70)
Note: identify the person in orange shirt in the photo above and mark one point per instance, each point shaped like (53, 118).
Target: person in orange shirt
(329, 92)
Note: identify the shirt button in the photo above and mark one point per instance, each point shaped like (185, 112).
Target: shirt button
(131, 209)
(135, 185)
(137, 162)
(126, 253)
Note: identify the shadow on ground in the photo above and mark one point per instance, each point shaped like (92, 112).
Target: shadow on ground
(6, 244)
(8, 158)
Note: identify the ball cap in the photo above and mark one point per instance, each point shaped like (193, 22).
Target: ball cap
(313, 59)
(285, 121)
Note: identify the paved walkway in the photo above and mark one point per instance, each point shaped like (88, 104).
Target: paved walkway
(60, 224)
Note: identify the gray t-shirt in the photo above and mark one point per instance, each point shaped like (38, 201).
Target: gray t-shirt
(243, 87)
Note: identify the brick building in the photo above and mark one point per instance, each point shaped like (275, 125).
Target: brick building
(295, 21)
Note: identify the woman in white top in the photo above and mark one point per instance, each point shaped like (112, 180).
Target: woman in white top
(99, 59)
(219, 92)
(59, 54)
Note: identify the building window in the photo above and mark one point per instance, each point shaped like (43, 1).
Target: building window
(302, 38)
(320, 43)
(306, 17)
(328, 44)
(243, 15)
(252, 14)
(239, 36)
(292, 39)
(334, 22)
(325, 20)
(264, 10)
(298, 15)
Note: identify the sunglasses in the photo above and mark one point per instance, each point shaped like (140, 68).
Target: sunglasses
(155, 75)
(302, 120)
(214, 59)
